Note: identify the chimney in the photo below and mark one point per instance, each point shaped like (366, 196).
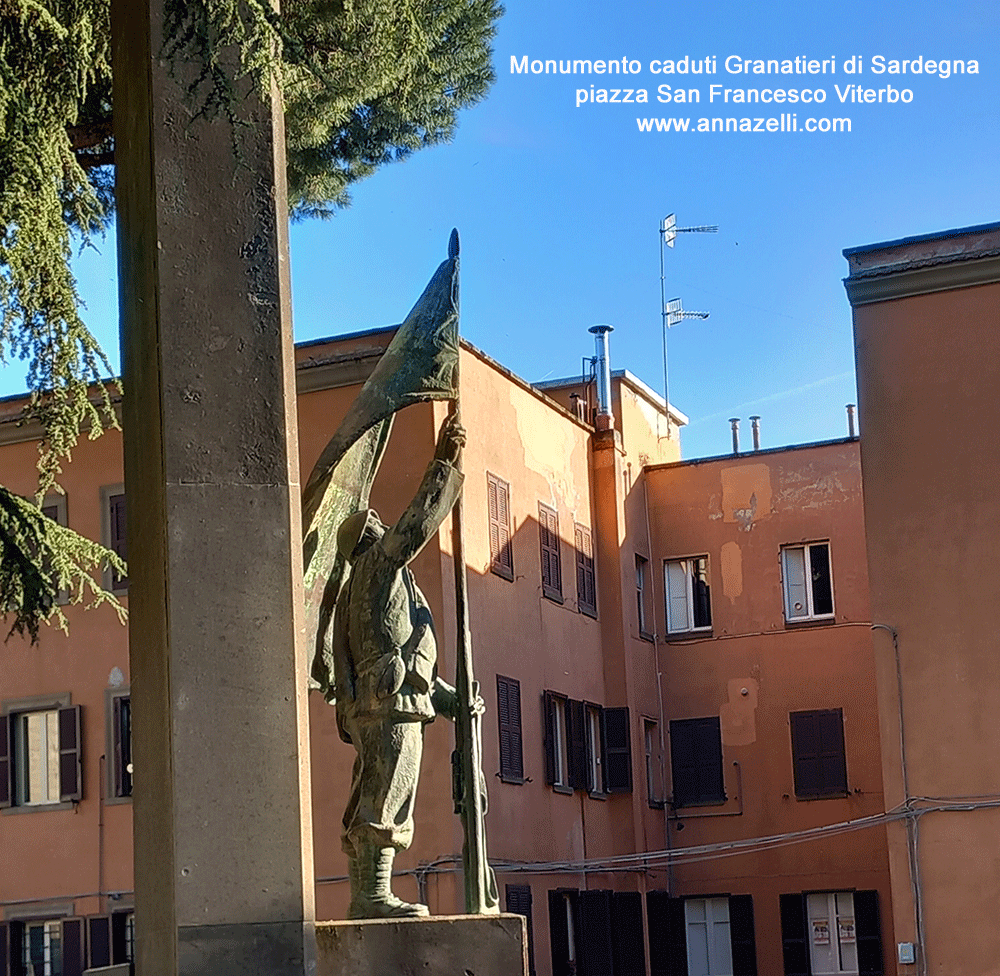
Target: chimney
(735, 423)
(851, 432)
(605, 421)
(755, 423)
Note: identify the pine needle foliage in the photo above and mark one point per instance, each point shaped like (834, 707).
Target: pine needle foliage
(364, 82)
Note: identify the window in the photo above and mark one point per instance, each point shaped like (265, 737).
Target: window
(556, 755)
(509, 720)
(808, 583)
(818, 756)
(696, 762)
(595, 748)
(54, 508)
(519, 903)
(596, 933)
(617, 751)
(40, 756)
(548, 532)
(43, 947)
(701, 936)
(111, 939)
(121, 756)
(642, 595)
(651, 742)
(831, 932)
(688, 603)
(586, 588)
(501, 557)
(587, 746)
(113, 500)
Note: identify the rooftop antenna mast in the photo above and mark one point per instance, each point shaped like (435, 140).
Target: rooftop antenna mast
(672, 311)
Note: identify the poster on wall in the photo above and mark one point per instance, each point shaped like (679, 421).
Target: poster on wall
(821, 931)
(845, 928)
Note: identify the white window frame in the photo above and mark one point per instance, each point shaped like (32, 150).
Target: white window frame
(839, 953)
(679, 597)
(49, 927)
(641, 585)
(16, 710)
(788, 583)
(704, 918)
(560, 744)
(595, 783)
(45, 760)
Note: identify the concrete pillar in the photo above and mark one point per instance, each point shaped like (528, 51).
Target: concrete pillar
(223, 832)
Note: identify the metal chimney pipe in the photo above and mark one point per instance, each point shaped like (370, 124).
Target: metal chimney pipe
(735, 422)
(600, 333)
(851, 432)
(755, 423)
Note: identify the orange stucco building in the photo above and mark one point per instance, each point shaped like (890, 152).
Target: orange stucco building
(676, 659)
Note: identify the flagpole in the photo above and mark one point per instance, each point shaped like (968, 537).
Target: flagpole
(468, 782)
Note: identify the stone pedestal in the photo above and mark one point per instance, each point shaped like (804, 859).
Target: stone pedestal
(449, 945)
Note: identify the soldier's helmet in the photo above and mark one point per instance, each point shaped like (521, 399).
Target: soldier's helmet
(363, 526)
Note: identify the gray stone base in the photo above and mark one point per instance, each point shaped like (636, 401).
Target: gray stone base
(450, 945)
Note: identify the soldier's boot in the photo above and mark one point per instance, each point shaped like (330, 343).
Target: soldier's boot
(371, 891)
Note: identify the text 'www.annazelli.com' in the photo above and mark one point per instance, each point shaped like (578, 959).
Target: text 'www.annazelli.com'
(786, 122)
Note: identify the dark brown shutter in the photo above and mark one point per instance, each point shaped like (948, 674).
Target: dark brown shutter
(116, 523)
(98, 941)
(667, 935)
(741, 933)
(576, 737)
(5, 949)
(794, 938)
(558, 933)
(519, 903)
(586, 589)
(122, 745)
(509, 721)
(548, 709)
(73, 963)
(869, 933)
(819, 763)
(501, 559)
(696, 761)
(119, 938)
(594, 956)
(6, 760)
(627, 943)
(70, 749)
(548, 535)
(617, 751)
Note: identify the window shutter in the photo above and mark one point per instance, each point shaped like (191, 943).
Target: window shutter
(122, 715)
(819, 764)
(501, 560)
(869, 933)
(6, 760)
(548, 707)
(70, 748)
(586, 589)
(72, 947)
(677, 597)
(796, 604)
(741, 929)
(576, 737)
(558, 933)
(667, 935)
(116, 523)
(594, 957)
(5, 949)
(509, 715)
(832, 757)
(617, 751)
(119, 938)
(99, 941)
(627, 944)
(696, 762)
(519, 903)
(794, 939)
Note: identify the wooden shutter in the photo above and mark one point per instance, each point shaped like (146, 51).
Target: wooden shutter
(549, 743)
(558, 933)
(73, 963)
(501, 559)
(678, 610)
(586, 588)
(576, 739)
(548, 534)
(5, 949)
(70, 750)
(519, 903)
(696, 762)
(627, 944)
(98, 941)
(617, 751)
(667, 935)
(741, 931)
(794, 935)
(119, 545)
(869, 933)
(594, 957)
(6, 760)
(509, 716)
(819, 763)
(119, 938)
(796, 601)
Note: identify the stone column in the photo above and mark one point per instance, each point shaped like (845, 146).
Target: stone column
(223, 832)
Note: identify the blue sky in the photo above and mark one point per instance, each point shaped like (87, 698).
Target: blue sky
(559, 206)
